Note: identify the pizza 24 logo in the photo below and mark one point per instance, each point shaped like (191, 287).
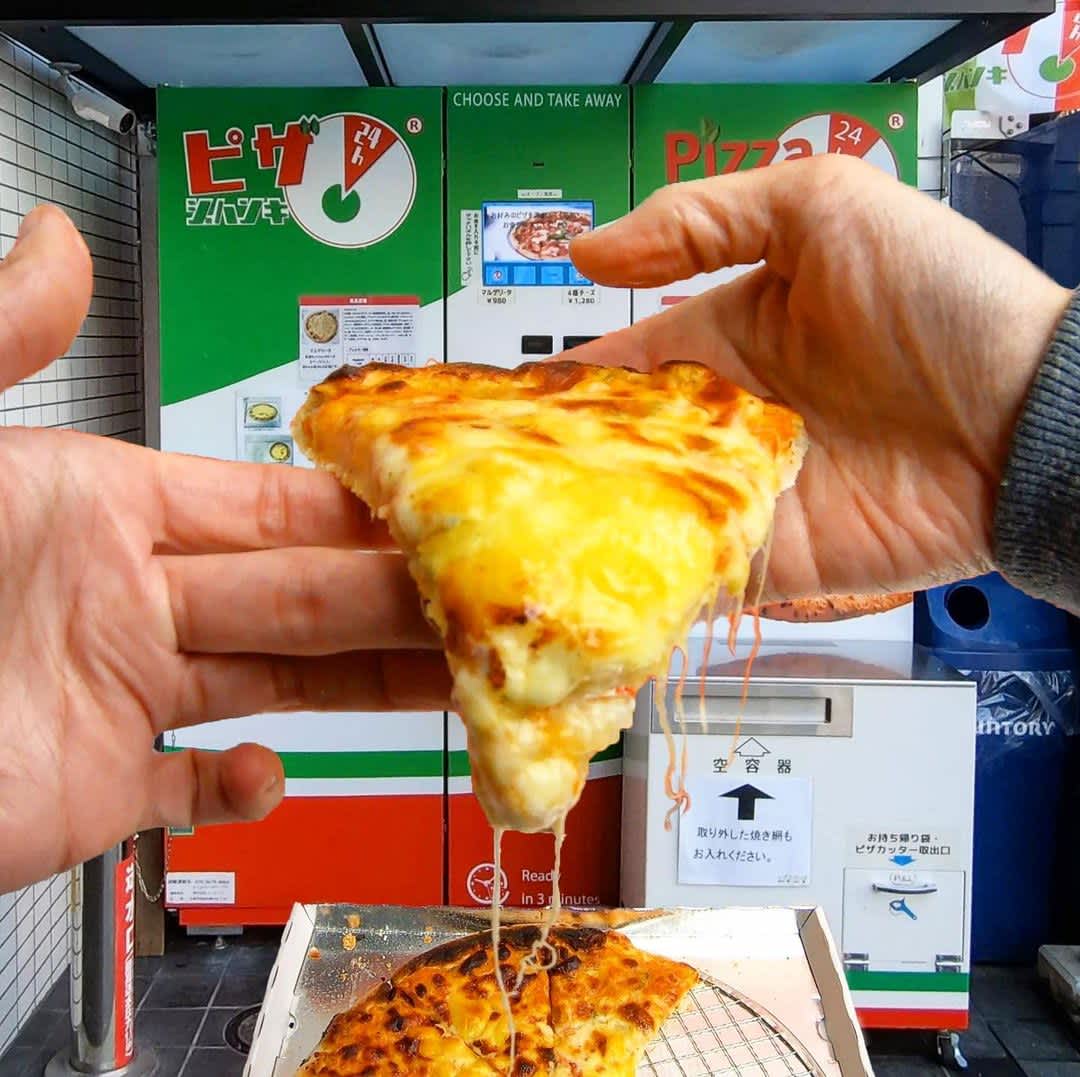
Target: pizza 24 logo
(708, 152)
(347, 179)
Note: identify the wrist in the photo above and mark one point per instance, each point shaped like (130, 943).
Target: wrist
(1014, 343)
(1036, 524)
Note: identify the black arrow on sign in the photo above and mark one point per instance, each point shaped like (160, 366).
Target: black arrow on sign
(747, 796)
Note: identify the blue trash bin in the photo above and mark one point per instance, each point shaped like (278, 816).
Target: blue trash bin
(1018, 651)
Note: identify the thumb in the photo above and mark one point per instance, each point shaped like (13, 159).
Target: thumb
(45, 287)
(197, 788)
(704, 225)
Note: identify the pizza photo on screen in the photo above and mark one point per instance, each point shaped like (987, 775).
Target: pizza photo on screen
(547, 236)
(533, 231)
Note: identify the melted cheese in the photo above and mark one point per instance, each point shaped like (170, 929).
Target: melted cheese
(565, 526)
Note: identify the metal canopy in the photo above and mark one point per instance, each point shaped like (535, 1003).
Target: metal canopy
(937, 34)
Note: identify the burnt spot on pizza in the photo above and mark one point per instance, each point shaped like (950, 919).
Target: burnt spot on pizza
(395, 1022)
(408, 1046)
(523, 1067)
(508, 615)
(349, 1052)
(581, 939)
(439, 980)
(504, 951)
(346, 372)
(633, 1013)
(337, 1027)
(600, 1043)
(496, 670)
(472, 962)
(421, 990)
(565, 967)
(392, 386)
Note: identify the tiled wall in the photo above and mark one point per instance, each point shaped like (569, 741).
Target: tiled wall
(48, 155)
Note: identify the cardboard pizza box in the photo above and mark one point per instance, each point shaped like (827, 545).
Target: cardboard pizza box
(772, 999)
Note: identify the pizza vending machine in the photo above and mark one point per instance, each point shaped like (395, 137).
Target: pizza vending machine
(528, 168)
(299, 230)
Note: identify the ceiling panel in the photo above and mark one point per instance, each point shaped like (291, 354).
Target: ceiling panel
(781, 51)
(510, 54)
(268, 55)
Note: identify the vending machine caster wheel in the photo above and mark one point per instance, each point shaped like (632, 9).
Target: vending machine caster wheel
(948, 1047)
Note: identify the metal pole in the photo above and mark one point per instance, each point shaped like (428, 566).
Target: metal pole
(102, 972)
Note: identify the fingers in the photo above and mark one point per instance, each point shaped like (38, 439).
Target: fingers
(298, 601)
(206, 506)
(45, 287)
(725, 328)
(218, 686)
(705, 225)
(197, 788)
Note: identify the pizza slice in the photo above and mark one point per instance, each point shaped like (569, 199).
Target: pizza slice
(565, 525)
(387, 1034)
(458, 985)
(608, 1000)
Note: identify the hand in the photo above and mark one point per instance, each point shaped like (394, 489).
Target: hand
(141, 592)
(905, 335)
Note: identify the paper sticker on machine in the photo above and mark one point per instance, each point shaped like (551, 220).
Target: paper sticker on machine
(747, 832)
(356, 329)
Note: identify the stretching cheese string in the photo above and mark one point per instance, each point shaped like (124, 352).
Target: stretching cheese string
(496, 930)
(531, 962)
(677, 795)
(755, 648)
(710, 622)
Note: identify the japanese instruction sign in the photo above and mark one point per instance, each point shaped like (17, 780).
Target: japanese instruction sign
(741, 832)
(356, 329)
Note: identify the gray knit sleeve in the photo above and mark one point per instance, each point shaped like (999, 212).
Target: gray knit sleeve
(1037, 520)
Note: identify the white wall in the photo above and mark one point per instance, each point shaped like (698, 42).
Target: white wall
(931, 99)
(48, 155)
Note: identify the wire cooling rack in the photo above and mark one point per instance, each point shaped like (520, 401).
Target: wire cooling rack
(718, 1031)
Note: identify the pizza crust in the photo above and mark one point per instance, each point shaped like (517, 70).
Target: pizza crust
(833, 607)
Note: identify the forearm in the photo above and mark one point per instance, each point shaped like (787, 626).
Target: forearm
(1037, 521)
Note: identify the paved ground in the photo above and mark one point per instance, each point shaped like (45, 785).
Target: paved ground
(187, 998)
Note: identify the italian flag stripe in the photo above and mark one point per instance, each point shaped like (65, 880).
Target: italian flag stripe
(904, 1017)
(459, 760)
(391, 764)
(908, 981)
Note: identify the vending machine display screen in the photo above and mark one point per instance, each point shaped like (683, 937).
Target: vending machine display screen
(527, 244)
